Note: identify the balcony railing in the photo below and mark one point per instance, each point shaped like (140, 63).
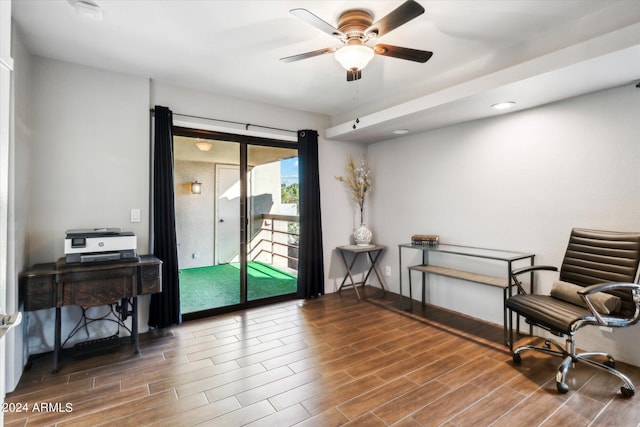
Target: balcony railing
(276, 242)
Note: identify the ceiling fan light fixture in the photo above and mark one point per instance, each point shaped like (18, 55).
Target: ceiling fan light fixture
(354, 56)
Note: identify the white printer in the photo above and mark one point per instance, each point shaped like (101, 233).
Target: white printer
(99, 244)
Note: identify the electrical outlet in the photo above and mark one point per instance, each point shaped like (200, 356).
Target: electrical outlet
(387, 271)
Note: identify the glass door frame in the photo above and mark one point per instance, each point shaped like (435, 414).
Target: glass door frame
(244, 142)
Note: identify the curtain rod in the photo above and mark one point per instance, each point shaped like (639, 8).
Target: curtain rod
(246, 125)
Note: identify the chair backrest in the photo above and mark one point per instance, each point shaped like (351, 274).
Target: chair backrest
(595, 256)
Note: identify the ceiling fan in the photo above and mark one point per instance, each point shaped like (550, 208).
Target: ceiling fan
(355, 30)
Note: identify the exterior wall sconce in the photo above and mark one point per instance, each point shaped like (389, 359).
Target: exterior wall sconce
(196, 187)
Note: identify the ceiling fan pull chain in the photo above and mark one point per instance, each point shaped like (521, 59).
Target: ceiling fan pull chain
(355, 103)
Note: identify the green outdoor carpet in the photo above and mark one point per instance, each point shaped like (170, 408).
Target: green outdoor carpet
(204, 288)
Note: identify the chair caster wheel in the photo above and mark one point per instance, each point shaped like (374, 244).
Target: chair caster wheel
(517, 358)
(562, 387)
(626, 391)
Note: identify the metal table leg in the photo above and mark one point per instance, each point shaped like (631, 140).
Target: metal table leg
(57, 340)
(349, 266)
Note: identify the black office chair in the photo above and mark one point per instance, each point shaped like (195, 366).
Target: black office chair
(597, 286)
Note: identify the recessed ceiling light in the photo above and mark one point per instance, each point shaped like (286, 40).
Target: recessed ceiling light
(88, 9)
(503, 105)
(401, 131)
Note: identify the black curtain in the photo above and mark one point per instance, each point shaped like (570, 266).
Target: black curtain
(311, 265)
(165, 306)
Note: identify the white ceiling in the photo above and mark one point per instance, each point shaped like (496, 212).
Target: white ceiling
(531, 52)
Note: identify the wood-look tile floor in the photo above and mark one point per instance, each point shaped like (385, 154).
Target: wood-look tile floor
(325, 362)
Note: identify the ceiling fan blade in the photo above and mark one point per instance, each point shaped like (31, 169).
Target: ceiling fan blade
(354, 75)
(308, 54)
(397, 17)
(402, 52)
(323, 26)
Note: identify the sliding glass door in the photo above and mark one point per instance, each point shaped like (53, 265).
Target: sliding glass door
(238, 234)
(272, 244)
(207, 222)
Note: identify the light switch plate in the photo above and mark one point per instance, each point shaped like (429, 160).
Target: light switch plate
(135, 215)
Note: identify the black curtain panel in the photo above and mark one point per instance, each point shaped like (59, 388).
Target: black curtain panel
(165, 306)
(311, 266)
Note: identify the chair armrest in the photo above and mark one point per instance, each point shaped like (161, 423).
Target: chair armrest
(531, 268)
(588, 290)
(528, 269)
(612, 320)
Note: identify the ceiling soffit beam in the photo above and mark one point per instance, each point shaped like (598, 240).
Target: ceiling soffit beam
(623, 38)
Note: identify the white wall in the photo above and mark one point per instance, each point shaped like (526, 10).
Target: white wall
(194, 102)
(90, 155)
(194, 213)
(89, 167)
(342, 216)
(519, 182)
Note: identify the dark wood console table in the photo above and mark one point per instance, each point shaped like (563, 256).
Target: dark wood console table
(53, 285)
